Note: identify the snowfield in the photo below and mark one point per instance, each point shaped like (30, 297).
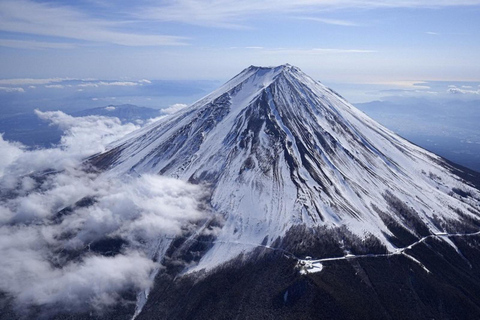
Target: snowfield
(274, 148)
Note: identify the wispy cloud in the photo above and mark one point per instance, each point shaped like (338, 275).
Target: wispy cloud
(12, 89)
(54, 86)
(336, 22)
(231, 13)
(113, 83)
(21, 85)
(315, 51)
(47, 19)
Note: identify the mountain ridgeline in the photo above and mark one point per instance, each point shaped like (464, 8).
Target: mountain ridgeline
(291, 170)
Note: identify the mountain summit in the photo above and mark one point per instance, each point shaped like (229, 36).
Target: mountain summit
(281, 154)
(277, 148)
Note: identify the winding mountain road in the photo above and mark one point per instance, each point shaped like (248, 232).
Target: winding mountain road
(308, 265)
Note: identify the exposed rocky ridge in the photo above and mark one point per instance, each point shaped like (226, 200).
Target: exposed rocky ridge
(277, 149)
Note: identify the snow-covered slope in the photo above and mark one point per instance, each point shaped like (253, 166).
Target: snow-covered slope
(276, 148)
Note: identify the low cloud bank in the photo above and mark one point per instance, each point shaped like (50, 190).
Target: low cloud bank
(73, 239)
(174, 108)
(462, 91)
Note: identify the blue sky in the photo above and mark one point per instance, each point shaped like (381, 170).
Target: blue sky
(396, 42)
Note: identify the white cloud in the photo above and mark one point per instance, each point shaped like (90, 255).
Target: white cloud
(174, 108)
(454, 90)
(48, 19)
(112, 83)
(83, 136)
(12, 89)
(54, 86)
(89, 84)
(120, 83)
(35, 242)
(330, 21)
(10, 153)
(86, 135)
(94, 282)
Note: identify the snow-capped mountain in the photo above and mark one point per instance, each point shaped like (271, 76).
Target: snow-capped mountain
(277, 148)
(281, 154)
